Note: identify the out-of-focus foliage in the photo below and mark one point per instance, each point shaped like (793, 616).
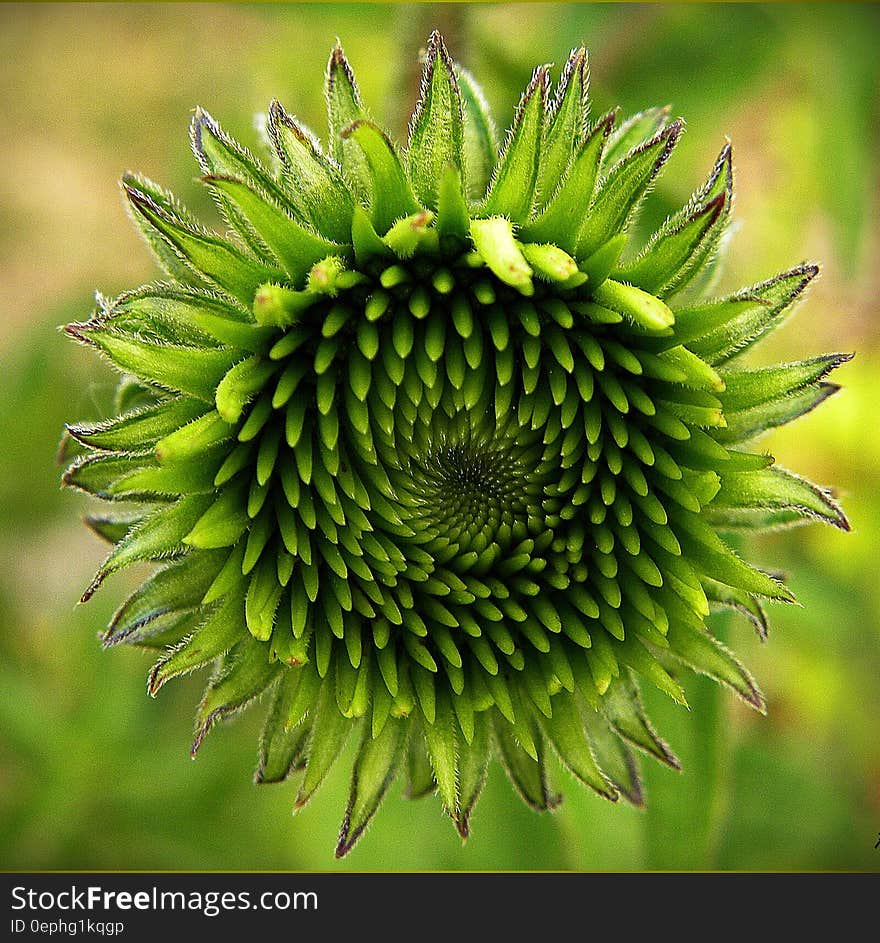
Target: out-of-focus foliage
(95, 775)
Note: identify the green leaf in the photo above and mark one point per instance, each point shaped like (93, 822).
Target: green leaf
(220, 154)
(705, 654)
(366, 241)
(479, 143)
(512, 189)
(375, 769)
(567, 124)
(623, 708)
(222, 263)
(344, 108)
(529, 776)
(623, 188)
(275, 306)
(436, 134)
(391, 195)
(775, 489)
(292, 244)
(697, 373)
(314, 184)
(566, 732)
(167, 630)
(244, 674)
(330, 730)
(223, 627)
(565, 208)
(282, 744)
(749, 388)
(771, 302)
(192, 370)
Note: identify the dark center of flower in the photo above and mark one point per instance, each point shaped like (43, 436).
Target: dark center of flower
(472, 488)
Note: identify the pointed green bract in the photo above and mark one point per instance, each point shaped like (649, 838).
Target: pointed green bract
(676, 252)
(214, 636)
(282, 744)
(344, 108)
(635, 131)
(747, 496)
(436, 131)
(746, 389)
(177, 587)
(168, 258)
(224, 265)
(769, 304)
(563, 215)
(330, 730)
(441, 743)
(315, 185)
(375, 768)
(479, 141)
(567, 124)
(295, 248)
(430, 450)
(391, 194)
(243, 674)
(624, 709)
(512, 190)
(525, 765)
(192, 370)
(621, 191)
(567, 733)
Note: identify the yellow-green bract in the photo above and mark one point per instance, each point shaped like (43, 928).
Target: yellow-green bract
(429, 454)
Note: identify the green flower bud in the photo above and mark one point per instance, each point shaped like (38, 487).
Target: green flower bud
(428, 458)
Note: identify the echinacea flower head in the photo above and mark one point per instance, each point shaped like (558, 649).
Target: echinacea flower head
(429, 454)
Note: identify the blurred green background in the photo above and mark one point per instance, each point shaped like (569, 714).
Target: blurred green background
(93, 774)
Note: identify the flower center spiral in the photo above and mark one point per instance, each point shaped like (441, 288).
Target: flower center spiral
(471, 488)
